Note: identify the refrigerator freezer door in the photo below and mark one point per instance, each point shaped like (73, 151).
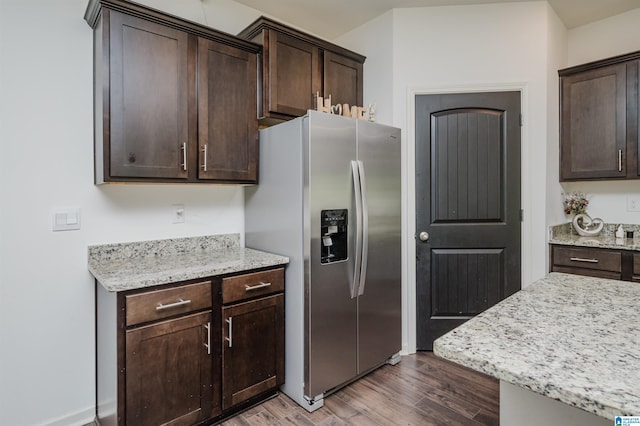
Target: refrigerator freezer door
(331, 357)
(379, 306)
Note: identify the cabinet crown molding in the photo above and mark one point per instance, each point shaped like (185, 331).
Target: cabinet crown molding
(94, 10)
(262, 23)
(600, 63)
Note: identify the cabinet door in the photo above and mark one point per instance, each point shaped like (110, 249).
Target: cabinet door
(293, 74)
(168, 372)
(342, 79)
(633, 119)
(253, 349)
(593, 124)
(148, 99)
(227, 113)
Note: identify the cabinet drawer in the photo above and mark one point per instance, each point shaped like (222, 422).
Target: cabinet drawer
(158, 304)
(251, 285)
(588, 258)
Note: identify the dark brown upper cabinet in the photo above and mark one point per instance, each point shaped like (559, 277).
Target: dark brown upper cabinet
(174, 100)
(293, 74)
(297, 66)
(227, 113)
(599, 120)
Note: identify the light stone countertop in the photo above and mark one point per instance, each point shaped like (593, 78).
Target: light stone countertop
(128, 266)
(562, 235)
(571, 338)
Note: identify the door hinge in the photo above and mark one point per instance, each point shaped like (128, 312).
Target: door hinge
(521, 215)
(521, 120)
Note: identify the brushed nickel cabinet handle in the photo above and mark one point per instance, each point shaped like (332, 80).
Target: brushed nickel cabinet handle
(230, 331)
(204, 161)
(619, 160)
(257, 286)
(184, 157)
(581, 259)
(208, 344)
(181, 302)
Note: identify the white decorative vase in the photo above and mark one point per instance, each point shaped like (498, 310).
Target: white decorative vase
(587, 227)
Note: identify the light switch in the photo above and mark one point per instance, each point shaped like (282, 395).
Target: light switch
(65, 218)
(72, 218)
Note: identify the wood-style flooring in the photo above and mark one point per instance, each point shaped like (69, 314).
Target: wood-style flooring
(421, 390)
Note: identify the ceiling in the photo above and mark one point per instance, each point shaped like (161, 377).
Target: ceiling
(331, 18)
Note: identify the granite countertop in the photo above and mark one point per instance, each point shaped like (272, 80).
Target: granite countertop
(128, 266)
(571, 338)
(563, 235)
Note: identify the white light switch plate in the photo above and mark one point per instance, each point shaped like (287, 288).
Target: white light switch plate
(65, 219)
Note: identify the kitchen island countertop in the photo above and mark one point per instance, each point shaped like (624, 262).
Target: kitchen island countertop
(571, 338)
(129, 266)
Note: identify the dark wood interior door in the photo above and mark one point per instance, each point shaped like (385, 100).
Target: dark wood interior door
(294, 75)
(149, 99)
(227, 113)
(467, 207)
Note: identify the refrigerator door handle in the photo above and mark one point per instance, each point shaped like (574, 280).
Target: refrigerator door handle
(355, 284)
(365, 229)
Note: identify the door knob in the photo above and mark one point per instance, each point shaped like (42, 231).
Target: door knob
(424, 236)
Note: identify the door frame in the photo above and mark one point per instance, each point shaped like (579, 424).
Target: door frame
(410, 292)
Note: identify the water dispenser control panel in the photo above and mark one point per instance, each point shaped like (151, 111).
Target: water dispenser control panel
(333, 234)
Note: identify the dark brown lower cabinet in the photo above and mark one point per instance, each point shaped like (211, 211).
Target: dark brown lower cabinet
(160, 350)
(595, 262)
(253, 349)
(169, 378)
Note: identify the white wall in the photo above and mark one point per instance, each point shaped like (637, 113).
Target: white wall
(476, 47)
(556, 59)
(46, 135)
(374, 40)
(513, 46)
(609, 37)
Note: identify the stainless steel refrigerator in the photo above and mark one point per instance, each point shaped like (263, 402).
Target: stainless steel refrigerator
(329, 198)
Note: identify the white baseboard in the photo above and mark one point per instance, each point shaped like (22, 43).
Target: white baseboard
(79, 418)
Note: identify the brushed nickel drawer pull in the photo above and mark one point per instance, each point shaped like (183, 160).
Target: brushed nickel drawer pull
(230, 338)
(581, 259)
(257, 286)
(208, 344)
(181, 302)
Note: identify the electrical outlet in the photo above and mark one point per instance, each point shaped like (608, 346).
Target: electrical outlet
(178, 213)
(633, 203)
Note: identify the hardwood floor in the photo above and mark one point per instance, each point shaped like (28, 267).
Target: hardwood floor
(421, 390)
